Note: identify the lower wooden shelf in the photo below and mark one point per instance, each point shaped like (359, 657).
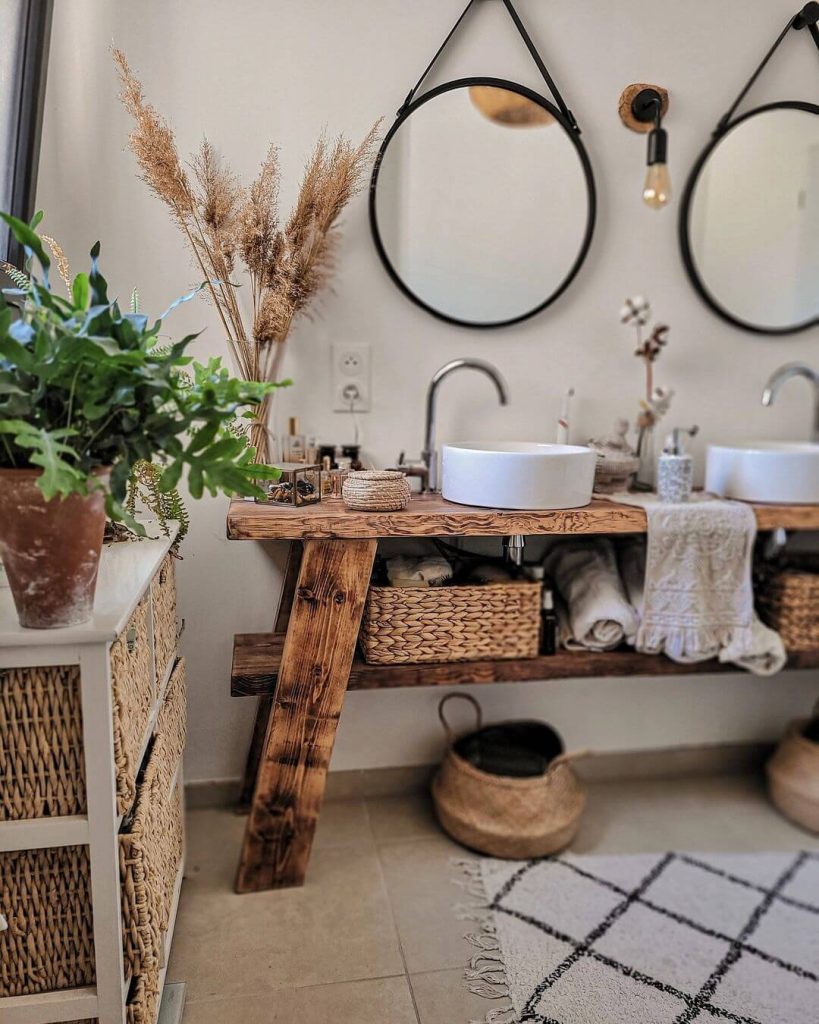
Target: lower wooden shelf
(257, 656)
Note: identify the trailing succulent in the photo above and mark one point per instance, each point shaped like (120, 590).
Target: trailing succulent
(84, 386)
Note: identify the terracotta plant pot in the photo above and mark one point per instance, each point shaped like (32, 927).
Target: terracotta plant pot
(50, 550)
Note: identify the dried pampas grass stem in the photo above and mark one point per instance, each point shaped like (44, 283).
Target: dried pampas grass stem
(286, 263)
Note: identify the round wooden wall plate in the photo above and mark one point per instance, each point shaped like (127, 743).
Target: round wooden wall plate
(626, 99)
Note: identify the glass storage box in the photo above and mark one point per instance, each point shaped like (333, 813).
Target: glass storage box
(299, 484)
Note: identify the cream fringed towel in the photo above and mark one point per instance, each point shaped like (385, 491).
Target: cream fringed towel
(696, 600)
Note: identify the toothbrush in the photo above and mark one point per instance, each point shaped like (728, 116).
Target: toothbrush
(563, 420)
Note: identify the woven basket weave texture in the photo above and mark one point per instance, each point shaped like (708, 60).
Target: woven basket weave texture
(163, 597)
(133, 692)
(45, 894)
(440, 624)
(373, 490)
(793, 777)
(788, 602)
(42, 769)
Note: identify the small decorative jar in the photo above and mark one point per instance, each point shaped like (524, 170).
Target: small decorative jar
(374, 490)
(299, 484)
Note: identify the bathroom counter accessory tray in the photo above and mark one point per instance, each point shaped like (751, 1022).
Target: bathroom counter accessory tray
(305, 666)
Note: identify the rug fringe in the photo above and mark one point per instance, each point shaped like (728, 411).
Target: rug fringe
(485, 972)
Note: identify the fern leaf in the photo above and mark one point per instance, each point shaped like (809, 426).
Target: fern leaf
(23, 281)
(134, 301)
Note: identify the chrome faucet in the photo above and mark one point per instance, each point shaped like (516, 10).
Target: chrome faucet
(778, 378)
(429, 454)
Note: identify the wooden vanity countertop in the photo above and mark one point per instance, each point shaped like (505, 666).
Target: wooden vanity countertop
(430, 515)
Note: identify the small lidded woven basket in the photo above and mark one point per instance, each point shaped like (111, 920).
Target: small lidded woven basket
(376, 490)
(507, 790)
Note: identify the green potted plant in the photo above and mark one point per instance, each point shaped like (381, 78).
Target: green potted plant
(87, 392)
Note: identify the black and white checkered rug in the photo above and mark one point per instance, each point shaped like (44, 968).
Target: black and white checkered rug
(650, 939)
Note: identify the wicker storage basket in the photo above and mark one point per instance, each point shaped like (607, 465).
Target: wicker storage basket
(42, 768)
(505, 816)
(788, 601)
(437, 624)
(163, 597)
(45, 894)
(793, 777)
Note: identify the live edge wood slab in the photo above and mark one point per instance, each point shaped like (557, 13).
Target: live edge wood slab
(303, 673)
(433, 516)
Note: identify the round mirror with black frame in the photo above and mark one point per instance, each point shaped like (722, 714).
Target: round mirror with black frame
(749, 218)
(482, 202)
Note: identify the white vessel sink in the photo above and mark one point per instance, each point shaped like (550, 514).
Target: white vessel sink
(785, 472)
(518, 475)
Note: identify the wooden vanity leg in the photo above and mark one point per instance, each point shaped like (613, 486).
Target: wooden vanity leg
(265, 705)
(315, 668)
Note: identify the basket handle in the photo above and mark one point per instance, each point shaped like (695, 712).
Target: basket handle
(450, 735)
(567, 757)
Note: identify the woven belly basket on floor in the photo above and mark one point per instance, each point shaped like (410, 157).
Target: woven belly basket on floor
(507, 790)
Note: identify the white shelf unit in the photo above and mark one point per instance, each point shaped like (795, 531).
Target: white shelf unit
(126, 572)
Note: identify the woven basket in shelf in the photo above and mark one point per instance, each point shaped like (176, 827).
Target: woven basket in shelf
(373, 490)
(42, 767)
(788, 601)
(163, 596)
(45, 894)
(439, 624)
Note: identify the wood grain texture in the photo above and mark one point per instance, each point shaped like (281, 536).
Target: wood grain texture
(265, 707)
(430, 515)
(312, 679)
(256, 658)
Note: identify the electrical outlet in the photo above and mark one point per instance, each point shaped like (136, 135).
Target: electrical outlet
(351, 377)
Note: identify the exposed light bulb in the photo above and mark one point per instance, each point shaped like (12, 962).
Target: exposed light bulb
(657, 187)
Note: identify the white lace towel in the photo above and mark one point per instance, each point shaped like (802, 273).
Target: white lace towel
(696, 600)
(598, 613)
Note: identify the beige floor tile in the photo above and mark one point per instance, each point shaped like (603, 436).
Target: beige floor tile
(419, 877)
(720, 814)
(399, 818)
(338, 927)
(442, 997)
(383, 1001)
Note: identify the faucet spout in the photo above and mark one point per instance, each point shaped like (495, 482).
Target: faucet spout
(429, 454)
(787, 372)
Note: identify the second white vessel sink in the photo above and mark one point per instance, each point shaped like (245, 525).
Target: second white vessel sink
(781, 472)
(518, 475)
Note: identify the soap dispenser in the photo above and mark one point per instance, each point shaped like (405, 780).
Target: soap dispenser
(675, 468)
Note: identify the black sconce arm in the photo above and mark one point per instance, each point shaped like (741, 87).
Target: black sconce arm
(808, 18)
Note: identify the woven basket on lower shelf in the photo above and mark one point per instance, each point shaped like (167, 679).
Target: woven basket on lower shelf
(439, 624)
(45, 894)
(788, 601)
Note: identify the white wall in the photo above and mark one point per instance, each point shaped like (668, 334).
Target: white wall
(252, 71)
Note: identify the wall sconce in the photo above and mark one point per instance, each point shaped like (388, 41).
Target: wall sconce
(642, 109)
